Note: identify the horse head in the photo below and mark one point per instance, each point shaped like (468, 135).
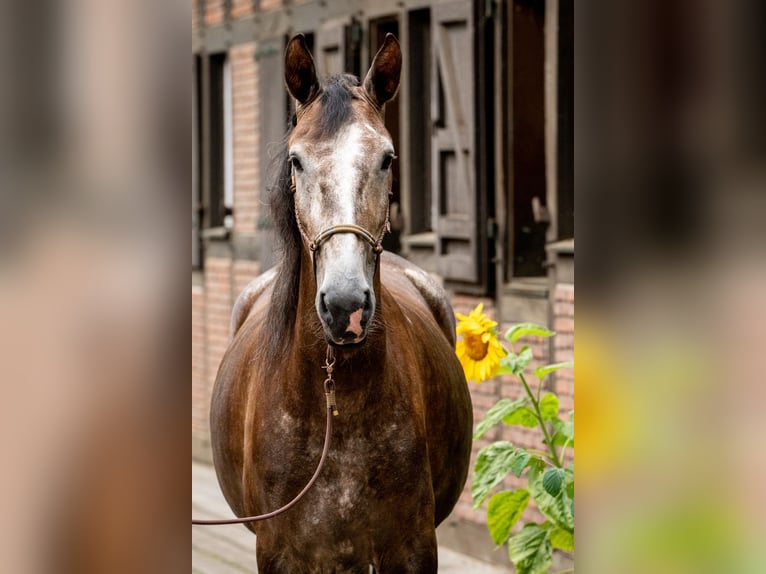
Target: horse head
(340, 154)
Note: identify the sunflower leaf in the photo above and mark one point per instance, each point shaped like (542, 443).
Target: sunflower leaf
(517, 363)
(552, 480)
(561, 538)
(525, 329)
(504, 369)
(523, 416)
(530, 550)
(545, 370)
(557, 509)
(503, 512)
(502, 408)
(549, 406)
(563, 432)
(492, 465)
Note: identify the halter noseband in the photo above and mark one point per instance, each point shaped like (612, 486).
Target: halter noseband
(375, 242)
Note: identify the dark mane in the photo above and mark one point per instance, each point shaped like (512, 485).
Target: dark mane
(335, 99)
(281, 313)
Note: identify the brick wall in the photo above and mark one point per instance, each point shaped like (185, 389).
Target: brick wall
(563, 324)
(213, 12)
(200, 398)
(242, 273)
(211, 310)
(563, 348)
(241, 8)
(244, 76)
(218, 304)
(270, 4)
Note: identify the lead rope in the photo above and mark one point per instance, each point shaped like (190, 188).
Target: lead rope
(332, 410)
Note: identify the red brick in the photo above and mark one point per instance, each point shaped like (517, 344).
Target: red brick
(241, 8)
(564, 292)
(563, 325)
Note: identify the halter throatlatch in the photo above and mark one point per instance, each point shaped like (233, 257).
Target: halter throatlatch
(314, 244)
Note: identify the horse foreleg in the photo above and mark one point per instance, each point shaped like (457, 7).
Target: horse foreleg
(418, 556)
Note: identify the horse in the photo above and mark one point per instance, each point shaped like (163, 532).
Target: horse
(400, 447)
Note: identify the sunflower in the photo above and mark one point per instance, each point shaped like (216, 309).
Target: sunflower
(479, 350)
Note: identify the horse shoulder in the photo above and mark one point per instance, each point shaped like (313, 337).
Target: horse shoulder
(398, 270)
(248, 298)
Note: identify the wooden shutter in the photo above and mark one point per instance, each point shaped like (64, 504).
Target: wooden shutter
(338, 47)
(455, 200)
(272, 124)
(330, 52)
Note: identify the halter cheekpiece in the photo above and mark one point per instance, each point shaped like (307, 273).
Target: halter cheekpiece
(314, 244)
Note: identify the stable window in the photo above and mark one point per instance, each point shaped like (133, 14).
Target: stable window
(196, 199)
(217, 153)
(378, 30)
(419, 78)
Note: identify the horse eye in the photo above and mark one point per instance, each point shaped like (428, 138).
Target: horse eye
(387, 162)
(295, 163)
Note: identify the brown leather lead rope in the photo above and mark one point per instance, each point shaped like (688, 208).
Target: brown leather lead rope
(332, 410)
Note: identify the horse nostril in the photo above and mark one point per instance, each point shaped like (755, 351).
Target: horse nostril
(367, 300)
(323, 305)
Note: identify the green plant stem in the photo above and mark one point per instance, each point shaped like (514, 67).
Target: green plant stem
(548, 439)
(538, 452)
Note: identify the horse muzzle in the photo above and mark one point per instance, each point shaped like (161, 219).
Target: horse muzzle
(345, 314)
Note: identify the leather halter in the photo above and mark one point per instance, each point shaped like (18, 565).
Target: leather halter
(375, 242)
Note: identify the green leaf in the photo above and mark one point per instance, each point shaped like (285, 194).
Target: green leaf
(517, 363)
(561, 539)
(524, 329)
(549, 406)
(556, 508)
(504, 368)
(537, 464)
(503, 512)
(545, 370)
(492, 464)
(530, 550)
(500, 410)
(564, 431)
(523, 416)
(520, 461)
(552, 479)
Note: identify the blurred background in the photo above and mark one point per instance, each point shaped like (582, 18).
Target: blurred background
(669, 181)
(94, 361)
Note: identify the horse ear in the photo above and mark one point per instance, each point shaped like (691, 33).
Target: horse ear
(300, 71)
(382, 81)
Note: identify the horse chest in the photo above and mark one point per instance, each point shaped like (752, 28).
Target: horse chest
(368, 463)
